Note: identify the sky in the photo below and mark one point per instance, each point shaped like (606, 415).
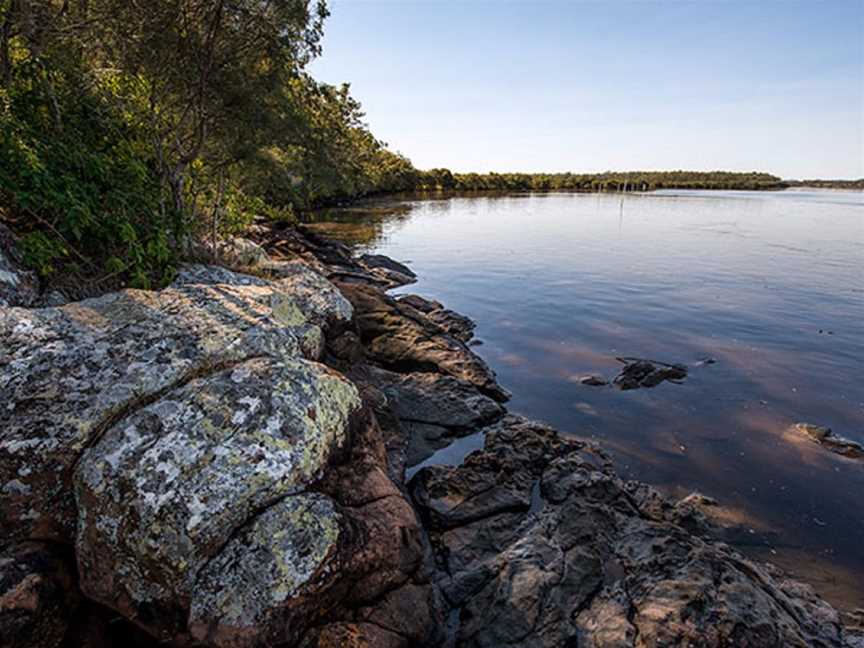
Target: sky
(555, 85)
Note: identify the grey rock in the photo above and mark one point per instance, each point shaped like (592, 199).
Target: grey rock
(164, 490)
(402, 338)
(243, 252)
(433, 409)
(541, 544)
(69, 374)
(18, 286)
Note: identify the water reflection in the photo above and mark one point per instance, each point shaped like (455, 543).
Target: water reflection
(768, 284)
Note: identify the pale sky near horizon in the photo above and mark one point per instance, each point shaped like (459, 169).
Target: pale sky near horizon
(555, 85)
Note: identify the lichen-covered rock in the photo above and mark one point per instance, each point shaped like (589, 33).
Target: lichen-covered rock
(68, 374)
(18, 286)
(244, 595)
(37, 596)
(243, 252)
(162, 491)
(541, 544)
(318, 299)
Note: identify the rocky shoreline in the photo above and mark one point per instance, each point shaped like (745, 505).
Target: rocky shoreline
(223, 463)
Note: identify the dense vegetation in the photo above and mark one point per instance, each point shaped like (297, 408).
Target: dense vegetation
(437, 179)
(854, 185)
(129, 132)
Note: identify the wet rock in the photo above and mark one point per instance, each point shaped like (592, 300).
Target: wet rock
(539, 543)
(37, 596)
(433, 409)
(390, 273)
(825, 437)
(647, 373)
(18, 286)
(404, 339)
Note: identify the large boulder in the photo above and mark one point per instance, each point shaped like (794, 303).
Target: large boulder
(183, 500)
(541, 544)
(228, 489)
(69, 374)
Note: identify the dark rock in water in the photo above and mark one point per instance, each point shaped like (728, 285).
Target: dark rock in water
(404, 339)
(589, 565)
(825, 437)
(647, 373)
(38, 599)
(389, 272)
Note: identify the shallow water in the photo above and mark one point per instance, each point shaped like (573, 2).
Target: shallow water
(770, 285)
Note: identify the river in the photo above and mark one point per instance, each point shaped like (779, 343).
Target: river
(768, 285)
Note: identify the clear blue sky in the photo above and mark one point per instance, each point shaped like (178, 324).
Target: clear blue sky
(480, 85)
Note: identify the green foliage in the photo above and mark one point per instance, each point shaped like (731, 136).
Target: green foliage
(83, 192)
(442, 179)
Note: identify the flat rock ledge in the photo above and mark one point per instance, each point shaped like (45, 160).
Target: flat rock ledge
(222, 463)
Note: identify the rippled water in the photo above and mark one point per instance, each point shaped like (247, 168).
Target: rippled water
(771, 285)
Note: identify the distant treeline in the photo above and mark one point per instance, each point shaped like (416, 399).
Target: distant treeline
(443, 179)
(857, 185)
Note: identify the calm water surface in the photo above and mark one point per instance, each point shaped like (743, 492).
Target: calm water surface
(771, 285)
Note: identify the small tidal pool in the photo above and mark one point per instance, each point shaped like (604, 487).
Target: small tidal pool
(769, 285)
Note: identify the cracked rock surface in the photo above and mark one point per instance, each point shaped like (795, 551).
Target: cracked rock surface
(539, 543)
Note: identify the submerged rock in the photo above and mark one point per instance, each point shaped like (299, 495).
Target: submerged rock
(647, 373)
(825, 437)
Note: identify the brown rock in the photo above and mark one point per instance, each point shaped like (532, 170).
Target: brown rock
(37, 596)
(404, 339)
